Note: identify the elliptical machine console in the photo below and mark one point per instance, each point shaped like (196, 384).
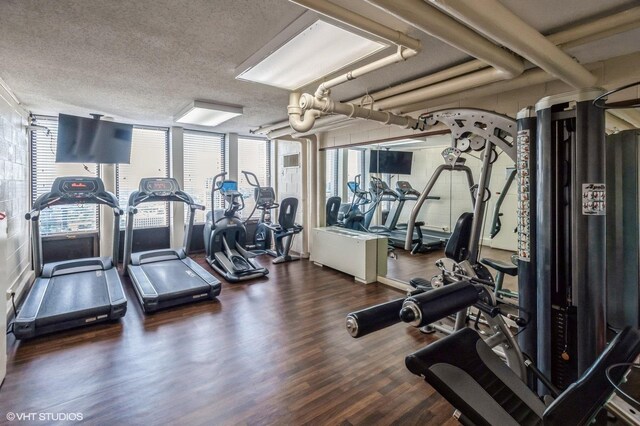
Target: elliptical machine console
(225, 236)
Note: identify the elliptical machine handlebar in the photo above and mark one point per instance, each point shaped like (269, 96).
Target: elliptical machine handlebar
(252, 179)
(215, 186)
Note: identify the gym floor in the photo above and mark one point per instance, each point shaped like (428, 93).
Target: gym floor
(274, 351)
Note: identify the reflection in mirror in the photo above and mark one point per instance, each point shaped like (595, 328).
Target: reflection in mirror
(379, 184)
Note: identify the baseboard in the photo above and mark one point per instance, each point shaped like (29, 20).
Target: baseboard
(20, 286)
(393, 283)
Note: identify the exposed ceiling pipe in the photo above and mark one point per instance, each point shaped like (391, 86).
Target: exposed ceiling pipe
(311, 103)
(458, 84)
(494, 20)
(300, 120)
(436, 77)
(528, 78)
(401, 55)
(360, 22)
(602, 27)
(323, 123)
(631, 116)
(442, 26)
(614, 124)
(597, 29)
(427, 80)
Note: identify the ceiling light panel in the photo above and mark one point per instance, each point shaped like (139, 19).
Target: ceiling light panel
(207, 114)
(317, 51)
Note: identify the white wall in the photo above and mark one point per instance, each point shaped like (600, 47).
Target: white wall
(289, 183)
(14, 203)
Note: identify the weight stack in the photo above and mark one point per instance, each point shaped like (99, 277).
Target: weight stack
(570, 259)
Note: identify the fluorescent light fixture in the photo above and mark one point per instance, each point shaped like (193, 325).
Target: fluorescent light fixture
(315, 52)
(207, 114)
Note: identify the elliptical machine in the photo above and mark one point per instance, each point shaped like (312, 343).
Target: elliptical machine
(349, 215)
(225, 235)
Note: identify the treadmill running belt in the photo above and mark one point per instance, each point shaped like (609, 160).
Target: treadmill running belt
(173, 276)
(84, 291)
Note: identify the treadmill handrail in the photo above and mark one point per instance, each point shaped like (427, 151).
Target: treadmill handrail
(58, 198)
(139, 197)
(425, 194)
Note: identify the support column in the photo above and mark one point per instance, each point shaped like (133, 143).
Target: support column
(108, 176)
(176, 171)
(232, 157)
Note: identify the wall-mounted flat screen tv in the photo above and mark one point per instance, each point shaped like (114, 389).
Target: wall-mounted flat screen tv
(392, 162)
(89, 140)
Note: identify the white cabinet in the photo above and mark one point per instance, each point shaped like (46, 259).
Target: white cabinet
(360, 254)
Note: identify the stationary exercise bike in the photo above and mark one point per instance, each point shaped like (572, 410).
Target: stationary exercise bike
(225, 235)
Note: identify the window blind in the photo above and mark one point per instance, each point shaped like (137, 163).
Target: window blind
(149, 158)
(331, 163)
(204, 157)
(254, 155)
(44, 170)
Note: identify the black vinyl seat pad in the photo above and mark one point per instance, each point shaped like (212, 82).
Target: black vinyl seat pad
(466, 371)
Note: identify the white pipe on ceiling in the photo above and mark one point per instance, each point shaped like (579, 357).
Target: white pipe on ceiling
(574, 36)
(597, 29)
(360, 22)
(309, 102)
(323, 123)
(458, 84)
(630, 115)
(427, 80)
(442, 26)
(614, 124)
(528, 78)
(300, 120)
(491, 18)
(401, 55)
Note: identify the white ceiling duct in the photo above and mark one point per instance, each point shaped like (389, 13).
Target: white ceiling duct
(495, 21)
(442, 26)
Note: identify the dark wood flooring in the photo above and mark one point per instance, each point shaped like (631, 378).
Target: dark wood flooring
(272, 351)
(408, 266)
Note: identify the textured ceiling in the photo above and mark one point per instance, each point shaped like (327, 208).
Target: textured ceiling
(142, 61)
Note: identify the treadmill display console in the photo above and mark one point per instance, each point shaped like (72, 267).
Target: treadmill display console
(78, 188)
(159, 187)
(403, 185)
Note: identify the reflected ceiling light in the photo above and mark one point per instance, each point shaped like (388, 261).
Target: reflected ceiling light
(317, 51)
(204, 113)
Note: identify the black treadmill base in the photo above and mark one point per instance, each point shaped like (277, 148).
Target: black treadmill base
(153, 305)
(29, 330)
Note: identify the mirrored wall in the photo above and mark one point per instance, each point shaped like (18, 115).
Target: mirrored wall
(379, 185)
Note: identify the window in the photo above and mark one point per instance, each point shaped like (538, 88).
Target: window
(44, 170)
(331, 173)
(203, 159)
(355, 164)
(254, 155)
(149, 158)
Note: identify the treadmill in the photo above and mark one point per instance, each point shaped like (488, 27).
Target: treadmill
(165, 277)
(71, 293)
(423, 240)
